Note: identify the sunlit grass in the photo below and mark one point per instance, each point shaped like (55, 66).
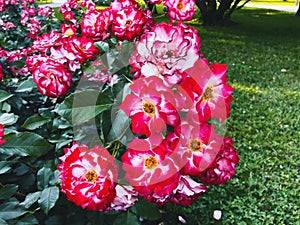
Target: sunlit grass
(262, 53)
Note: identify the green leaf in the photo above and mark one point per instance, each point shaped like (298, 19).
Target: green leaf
(30, 199)
(28, 220)
(48, 198)
(11, 210)
(4, 95)
(43, 177)
(26, 86)
(114, 41)
(102, 46)
(120, 126)
(6, 107)
(8, 118)
(60, 124)
(89, 68)
(25, 144)
(111, 60)
(80, 107)
(18, 63)
(15, 101)
(54, 178)
(3, 222)
(35, 122)
(21, 169)
(119, 120)
(105, 123)
(96, 217)
(127, 49)
(127, 218)
(4, 167)
(58, 220)
(46, 113)
(147, 210)
(7, 191)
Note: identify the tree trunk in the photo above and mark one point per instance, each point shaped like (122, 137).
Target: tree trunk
(223, 7)
(298, 11)
(231, 10)
(213, 15)
(208, 9)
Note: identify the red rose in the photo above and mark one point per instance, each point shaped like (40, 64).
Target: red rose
(51, 77)
(151, 106)
(224, 167)
(95, 24)
(88, 177)
(128, 23)
(150, 169)
(82, 48)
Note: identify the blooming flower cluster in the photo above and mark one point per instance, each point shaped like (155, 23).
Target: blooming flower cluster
(4, 4)
(175, 93)
(21, 22)
(61, 53)
(53, 71)
(166, 157)
(28, 17)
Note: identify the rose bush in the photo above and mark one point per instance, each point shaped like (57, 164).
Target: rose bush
(107, 111)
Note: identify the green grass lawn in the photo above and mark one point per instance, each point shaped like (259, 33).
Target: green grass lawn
(263, 56)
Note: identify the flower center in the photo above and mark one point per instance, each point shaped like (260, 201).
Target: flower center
(169, 54)
(180, 5)
(91, 176)
(149, 108)
(208, 93)
(81, 48)
(150, 162)
(128, 23)
(195, 145)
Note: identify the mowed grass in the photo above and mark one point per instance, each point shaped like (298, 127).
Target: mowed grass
(263, 56)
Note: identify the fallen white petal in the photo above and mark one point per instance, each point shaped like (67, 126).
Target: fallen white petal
(217, 214)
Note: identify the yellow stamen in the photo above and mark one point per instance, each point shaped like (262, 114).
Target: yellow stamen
(151, 162)
(195, 145)
(180, 5)
(149, 108)
(128, 23)
(208, 94)
(91, 176)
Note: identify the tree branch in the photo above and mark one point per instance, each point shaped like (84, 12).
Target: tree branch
(243, 4)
